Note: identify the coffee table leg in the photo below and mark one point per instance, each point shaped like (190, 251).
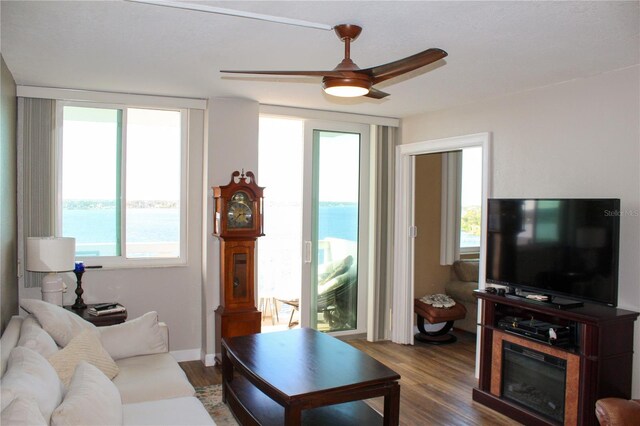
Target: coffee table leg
(392, 406)
(292, 416)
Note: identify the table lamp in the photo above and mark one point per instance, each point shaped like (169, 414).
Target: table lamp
(53, 255)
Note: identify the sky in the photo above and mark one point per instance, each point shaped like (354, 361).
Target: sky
(152, 157)
(471, 176)
(282, 143)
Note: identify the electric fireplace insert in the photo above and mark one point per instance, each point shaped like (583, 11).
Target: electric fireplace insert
(534, 380)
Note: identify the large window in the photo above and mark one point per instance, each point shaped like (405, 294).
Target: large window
(122, 185)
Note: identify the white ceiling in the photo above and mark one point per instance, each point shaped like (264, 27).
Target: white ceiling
(495, 48)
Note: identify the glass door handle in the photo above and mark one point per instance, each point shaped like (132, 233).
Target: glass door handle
(307, 252)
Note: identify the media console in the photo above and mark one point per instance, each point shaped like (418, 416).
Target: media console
(537, 380)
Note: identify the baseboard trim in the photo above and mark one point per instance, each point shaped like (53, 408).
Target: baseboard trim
(186, 355)
(209, 360)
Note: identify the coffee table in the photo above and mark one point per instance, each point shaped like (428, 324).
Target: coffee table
(302, 376)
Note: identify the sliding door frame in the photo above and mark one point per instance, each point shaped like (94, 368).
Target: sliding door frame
(403, 289)
(306, 296)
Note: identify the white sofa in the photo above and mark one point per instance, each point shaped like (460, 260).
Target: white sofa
(58, 369)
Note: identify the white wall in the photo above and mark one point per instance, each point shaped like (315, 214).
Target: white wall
(576, 139)
(232, 131)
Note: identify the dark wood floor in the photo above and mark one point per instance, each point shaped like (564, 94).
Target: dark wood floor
(435, 386)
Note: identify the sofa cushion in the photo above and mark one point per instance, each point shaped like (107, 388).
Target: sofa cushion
(92, 399)
(461, 291)
(141, 336)
(9, 340)
(171, 412)
(466, 270)
(86, 346)
(22, 412)
(29, 375)
(151, 377)
(33, 336)
(61, 324)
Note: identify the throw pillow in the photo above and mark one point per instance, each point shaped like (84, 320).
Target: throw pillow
(22, 412)
(86, 346)
(33, 336)
(61, 324)
(92, 399)
(29, 375)
(8, 341)
(141, 336)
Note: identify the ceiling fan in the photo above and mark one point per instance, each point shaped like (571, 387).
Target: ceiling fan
(349, 80)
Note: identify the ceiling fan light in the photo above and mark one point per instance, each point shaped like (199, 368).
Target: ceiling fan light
(346, 91)
(346, 87)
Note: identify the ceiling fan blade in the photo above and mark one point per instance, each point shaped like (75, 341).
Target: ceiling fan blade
(376, 94)
(309, 73)
(402, 66)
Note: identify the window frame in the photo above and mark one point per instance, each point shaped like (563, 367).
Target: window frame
(122, 262)
(364, 220)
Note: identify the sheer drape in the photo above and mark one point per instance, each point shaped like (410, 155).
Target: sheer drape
(383, 214)
(451, 207)
(36, 175)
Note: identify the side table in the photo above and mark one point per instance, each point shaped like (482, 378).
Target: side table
(99, 321)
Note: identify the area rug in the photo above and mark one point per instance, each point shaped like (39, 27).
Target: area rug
(211, 398)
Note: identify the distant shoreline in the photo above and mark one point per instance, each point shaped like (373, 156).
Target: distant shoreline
(111, 204)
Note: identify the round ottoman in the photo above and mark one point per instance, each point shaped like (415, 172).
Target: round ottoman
(434, 315)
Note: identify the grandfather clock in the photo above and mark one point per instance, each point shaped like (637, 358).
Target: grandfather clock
(237, 222)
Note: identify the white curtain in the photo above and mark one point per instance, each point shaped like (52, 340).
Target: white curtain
(383, 217)
(450, 207)
(36, 176)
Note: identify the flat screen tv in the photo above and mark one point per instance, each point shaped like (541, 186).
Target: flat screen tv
(563, 248)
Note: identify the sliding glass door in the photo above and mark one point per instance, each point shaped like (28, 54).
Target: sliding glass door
(312, 260)
(336, 235)
(335, 207)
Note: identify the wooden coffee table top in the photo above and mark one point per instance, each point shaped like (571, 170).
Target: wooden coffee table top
(298, 363)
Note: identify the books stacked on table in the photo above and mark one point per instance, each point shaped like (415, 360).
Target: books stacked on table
(105, 309)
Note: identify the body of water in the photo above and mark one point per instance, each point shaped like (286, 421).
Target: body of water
(95, 230)
(338, 221)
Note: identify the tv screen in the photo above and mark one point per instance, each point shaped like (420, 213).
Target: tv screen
(558, 247)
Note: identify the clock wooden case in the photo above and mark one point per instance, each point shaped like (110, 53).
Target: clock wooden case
(237, 222)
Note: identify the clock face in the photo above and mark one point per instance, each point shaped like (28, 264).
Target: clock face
(239, 214)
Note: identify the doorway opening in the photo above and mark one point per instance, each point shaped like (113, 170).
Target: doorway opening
(448, 213)
(404, 277)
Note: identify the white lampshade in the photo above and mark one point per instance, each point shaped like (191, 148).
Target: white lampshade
(51, 254)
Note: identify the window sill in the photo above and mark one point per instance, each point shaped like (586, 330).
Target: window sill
(117, 263)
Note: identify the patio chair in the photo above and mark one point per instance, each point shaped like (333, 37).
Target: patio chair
(337, 294)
